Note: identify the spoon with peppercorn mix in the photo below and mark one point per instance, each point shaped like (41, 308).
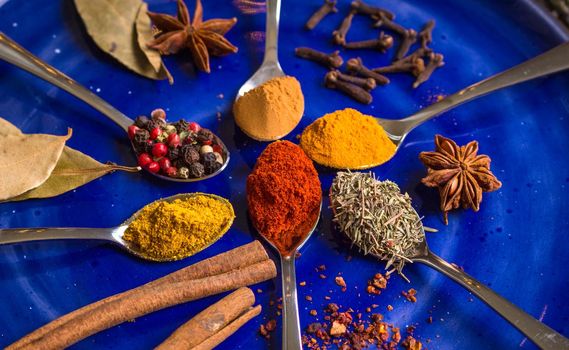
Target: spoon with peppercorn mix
(552, 61)
(181, 151)
(116, 235)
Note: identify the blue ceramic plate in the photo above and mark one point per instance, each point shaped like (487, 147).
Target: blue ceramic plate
(517, 243)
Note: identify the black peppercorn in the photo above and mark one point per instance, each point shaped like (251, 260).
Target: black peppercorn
(181, 125)
(174, 153)
(204, 135)
(210, 164)
(190, 154)
(141, 136)
(141, 121)
(196, 170)
(155, 123)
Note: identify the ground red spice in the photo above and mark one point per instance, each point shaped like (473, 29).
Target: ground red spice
(283, 194)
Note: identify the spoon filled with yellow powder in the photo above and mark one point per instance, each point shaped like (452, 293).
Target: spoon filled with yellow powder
(347, 139)
(168, 229)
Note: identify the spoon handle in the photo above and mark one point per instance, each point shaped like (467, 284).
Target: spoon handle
(291, 322)
(272, 32)
(17, 235)
(542, 335)
(13, 53)
(552, 61)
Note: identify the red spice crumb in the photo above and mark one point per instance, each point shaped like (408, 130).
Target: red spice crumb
(396, 335)
(376, 284)
(302, 284)
(368, 309)
(410, 330)
(308, 298)
(259, 290)
(389, 308)
(323, 276)
(337, 329)
(410, 295)
(313, 312)
(322, 268)
(430, 319)
(271, 325)
(411, 343)
(340, 282)
(374, 306)
(327, 297)
(280, 306)
(268, 327)
(271, 302)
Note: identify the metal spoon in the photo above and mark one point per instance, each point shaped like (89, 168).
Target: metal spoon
(112, 234)
(291, 321)
(270, 68)
(542, 335)
(552, 61)
(13, 53)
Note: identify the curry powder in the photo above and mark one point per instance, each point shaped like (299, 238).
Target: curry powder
(174, 230)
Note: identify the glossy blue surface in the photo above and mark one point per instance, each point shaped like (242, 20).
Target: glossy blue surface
(516, 244)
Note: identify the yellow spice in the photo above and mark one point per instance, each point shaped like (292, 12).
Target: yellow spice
(178, 229)
(347, 139)
(270, 111)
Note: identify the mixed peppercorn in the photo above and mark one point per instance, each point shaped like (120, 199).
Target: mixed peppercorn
(180, 150)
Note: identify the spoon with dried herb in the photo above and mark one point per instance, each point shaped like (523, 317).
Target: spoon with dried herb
(381, 222)
(167, 229)
(159, 163)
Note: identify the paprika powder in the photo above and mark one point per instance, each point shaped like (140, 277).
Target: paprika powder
(283, 194)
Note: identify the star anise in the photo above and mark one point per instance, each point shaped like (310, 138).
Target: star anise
(203, 38)
(459, 173)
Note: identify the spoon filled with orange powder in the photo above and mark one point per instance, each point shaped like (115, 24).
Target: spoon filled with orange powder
(284, 197)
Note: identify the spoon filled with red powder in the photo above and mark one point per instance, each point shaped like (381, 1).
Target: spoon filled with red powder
(284, 197)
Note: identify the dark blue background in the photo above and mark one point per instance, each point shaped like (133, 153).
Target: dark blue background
(516, 243)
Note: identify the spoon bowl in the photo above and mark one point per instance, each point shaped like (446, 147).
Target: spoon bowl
(270, 68)
(542, 335)
(113, 235)
(13, 53)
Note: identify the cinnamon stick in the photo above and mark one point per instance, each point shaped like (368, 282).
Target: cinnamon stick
(238, 267)
(214, 324)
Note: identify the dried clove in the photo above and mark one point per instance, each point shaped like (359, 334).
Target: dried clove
(435, 60)
(365, 83)
(381, 20)
(419, 53)
(355, 65)
(357, 93)
(426, 35)
(339, 35)
(409, 38)
(328, 7)
(365, 9)
(333, 60)
(414, 66)
(382, 43)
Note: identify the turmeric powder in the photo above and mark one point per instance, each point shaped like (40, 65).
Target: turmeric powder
(347, 139)
(173, 230)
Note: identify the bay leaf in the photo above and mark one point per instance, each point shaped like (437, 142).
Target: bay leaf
(73, 170)
(26, 161)
(111, 24)
(144, 35)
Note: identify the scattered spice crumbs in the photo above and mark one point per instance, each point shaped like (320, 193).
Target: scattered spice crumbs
(302, 284)
(410, 295)
(389, 308)
(308, 298)
(340, 282)
(267, 328)
(323, 276)
(377, 284)
(313, 312)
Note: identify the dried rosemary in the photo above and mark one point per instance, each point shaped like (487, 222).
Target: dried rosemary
(377, 217)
